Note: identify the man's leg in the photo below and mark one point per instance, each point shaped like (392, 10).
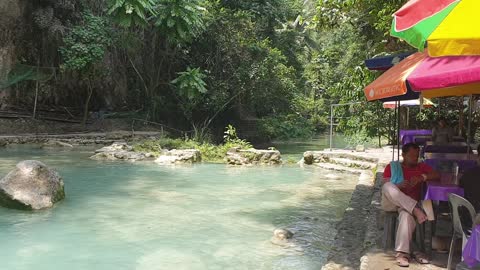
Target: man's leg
(392, 196)
(406, 227)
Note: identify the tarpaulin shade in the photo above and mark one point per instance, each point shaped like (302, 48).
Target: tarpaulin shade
(385, 62)
(449, 27)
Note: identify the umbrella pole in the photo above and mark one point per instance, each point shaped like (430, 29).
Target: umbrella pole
(408, 116)
(469, 123)
(331, 126)
(394, 130)
(398, 131)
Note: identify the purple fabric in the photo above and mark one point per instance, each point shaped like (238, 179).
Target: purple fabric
(406, 136)
(443, 161)
(439, 192)
(447, 149)
(421, 139)
(471, 251)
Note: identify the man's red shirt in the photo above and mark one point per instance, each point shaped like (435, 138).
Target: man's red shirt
(408, 173)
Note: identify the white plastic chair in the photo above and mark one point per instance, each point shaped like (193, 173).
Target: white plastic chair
(459, 230)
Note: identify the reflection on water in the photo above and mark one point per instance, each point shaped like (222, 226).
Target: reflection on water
(295, 149)
(144, 216)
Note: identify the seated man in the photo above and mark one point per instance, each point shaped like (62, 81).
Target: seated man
(471, 184)
(402, 194)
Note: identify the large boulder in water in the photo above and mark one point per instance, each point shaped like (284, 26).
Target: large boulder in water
(119, 155)
(31, 185)
(184, 156)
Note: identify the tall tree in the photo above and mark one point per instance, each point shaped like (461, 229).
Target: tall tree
(83, 50)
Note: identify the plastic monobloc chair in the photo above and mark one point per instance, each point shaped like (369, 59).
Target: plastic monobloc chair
(459, 229)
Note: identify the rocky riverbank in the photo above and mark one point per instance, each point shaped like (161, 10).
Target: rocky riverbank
(357, 230)
(91, 138)
(358, 240)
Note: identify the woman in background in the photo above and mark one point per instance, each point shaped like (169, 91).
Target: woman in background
(442, 133)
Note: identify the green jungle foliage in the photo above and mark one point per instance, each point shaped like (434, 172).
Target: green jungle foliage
(198, 65)
(210, 152)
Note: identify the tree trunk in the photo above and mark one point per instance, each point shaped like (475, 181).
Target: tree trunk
(36, 92)
(87, 102)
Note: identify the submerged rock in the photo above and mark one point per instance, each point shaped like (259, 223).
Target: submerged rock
(3, 143)
(119, 151)
(31, 185)
(281, 237)
(282, 234)
(179, 156)
(53, 143)
(251, 156)
(119, 155)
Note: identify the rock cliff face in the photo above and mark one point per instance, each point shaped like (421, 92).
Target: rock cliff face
(31, 33)
(12, 24)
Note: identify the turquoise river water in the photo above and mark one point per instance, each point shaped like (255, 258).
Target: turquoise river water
(144, 216)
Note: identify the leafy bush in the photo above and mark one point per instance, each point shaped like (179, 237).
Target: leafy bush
(85, 44)
(190, 83)
(210, 152)
(287, 127)
(131, 12)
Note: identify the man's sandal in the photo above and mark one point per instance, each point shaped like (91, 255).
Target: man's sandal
(420, 258)
(402, 259)
(427, 208)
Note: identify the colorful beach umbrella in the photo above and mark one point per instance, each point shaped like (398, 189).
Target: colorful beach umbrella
(432, 76)
(448, 27)
(412, 102)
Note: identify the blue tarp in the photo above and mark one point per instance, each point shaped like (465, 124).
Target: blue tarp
(385, 62)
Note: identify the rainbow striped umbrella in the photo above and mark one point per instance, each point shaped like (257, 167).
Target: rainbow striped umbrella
(448, 27)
